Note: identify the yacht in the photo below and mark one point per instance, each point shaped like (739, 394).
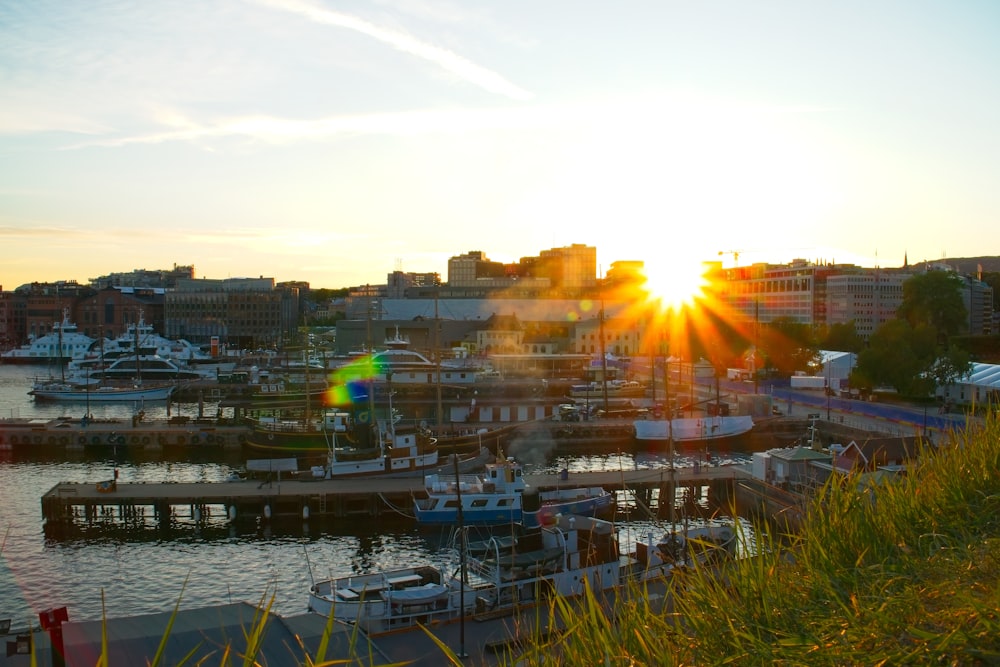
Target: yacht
(62, 344)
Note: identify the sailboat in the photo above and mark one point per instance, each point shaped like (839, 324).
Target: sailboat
(86, 389)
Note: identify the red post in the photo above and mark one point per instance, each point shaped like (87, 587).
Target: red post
(51, 621)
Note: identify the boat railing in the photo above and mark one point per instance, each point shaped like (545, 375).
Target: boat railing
(447, 484)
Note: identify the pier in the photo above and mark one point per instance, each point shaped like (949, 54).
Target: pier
(165, 504)
(27, 433)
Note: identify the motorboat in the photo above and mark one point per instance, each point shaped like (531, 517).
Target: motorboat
(497, 497)
(399, 365)
(62, 344)
(564, 558)
(140, 338)
(147, 367)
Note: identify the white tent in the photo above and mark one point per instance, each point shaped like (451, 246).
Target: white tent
(837, 366)
(981, 386)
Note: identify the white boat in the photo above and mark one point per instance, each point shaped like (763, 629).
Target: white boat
(62, 344)
(65, 391)
(615, 389)
(147, 367)
(496, 497)
(693, 429)
(685, 545)
(140, 338)
(358, 449)
(563, 558)
(400, 365)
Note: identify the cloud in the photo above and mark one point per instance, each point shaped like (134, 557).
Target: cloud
(451, 62)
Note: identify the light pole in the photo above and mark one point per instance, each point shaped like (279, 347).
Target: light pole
(829, 390)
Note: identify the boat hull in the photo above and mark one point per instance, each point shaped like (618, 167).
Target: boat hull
(103, 394)
(698, 430)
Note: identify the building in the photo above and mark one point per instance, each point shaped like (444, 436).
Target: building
(821, 295)
(240, 313)
(622, 337)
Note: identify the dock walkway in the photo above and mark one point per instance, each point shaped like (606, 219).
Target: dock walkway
(70, 503)
(75, 433)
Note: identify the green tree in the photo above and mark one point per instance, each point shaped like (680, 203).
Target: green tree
(789, 346)
(899, 356)
(934, 299)
(843, 337)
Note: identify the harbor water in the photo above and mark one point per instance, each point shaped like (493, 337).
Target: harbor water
(118, 571)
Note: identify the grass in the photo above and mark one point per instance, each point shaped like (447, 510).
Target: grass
(900, 573)
(903, 572)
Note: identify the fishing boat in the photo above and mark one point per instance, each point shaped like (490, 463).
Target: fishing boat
(710, 429)
(563, 558)
(496, 497)
(358, 448)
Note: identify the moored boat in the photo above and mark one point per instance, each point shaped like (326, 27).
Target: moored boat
(563, 558)
(66, 391)
(710, 429)
(496, 497)
(62, 344)
(703, 543)
(613, 388)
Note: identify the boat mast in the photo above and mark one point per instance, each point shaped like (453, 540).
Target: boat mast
(670, 439)
(138, 363)
(437, 360)
(604, 356)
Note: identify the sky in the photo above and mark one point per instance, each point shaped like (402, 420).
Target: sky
(335, 142)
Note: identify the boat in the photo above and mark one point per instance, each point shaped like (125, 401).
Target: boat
(496, 497)
(680, 430)
(399, 365)
(685, 545)
(62, 344)
(466, 438)
(139, 337)
(614, 389)
(146, 366)
(67, 391)
(564, 558)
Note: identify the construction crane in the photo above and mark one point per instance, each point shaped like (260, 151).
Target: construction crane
(734, 253)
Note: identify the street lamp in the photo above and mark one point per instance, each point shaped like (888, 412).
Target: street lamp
(829, 390)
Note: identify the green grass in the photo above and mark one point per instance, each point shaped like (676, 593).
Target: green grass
(905, 572)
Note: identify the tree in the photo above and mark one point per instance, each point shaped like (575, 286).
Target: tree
(934, 299)
(843, 338)
(898, 356)
(789, 346)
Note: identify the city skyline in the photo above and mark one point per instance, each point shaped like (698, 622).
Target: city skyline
(335, 144)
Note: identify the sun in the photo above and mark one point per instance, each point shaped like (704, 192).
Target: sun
(675, 284)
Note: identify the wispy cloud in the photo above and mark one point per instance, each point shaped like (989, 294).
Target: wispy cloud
(452, 62)
(276, 130)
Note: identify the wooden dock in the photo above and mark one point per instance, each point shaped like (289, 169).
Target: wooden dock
(66, 433)
(106, 502)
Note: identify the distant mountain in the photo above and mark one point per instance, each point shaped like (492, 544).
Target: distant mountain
(968, 265)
